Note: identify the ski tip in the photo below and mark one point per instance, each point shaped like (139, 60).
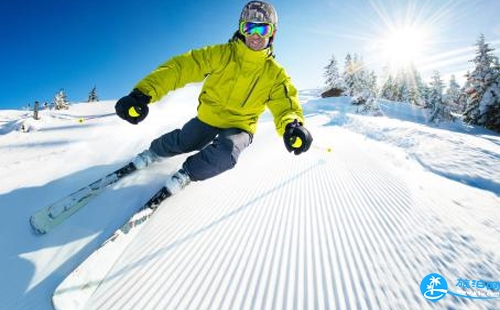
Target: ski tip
(59, 302)
(35, 228)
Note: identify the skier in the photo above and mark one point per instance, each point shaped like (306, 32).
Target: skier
(241, 78)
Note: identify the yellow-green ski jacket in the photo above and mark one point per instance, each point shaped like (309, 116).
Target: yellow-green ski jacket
(239, 84)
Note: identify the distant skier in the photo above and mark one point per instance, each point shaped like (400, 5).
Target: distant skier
(241, 78)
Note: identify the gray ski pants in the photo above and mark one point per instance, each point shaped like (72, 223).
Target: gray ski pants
(218, 148)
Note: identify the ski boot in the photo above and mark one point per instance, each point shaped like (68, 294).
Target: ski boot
(144, 159)
(177, 182)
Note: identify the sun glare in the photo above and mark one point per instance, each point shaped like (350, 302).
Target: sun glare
(403, 47)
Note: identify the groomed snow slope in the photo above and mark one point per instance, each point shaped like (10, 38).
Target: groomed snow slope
(355, 228)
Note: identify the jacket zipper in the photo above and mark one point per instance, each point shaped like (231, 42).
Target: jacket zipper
(250, 92)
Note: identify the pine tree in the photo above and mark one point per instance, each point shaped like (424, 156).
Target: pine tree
(405, 93)
(348, 75)
(93, 95)
(358, 81)
(462, 99)
(418, 88)
(332, 75)
(372, 83)
(483, 95)
(404, 85)
(491, 103)
(453, 94)
(388, 89)
(61, 101)
(439, 111)
(359, 86)
(425, 95)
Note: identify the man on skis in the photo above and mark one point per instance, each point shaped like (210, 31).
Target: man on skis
(241, 78)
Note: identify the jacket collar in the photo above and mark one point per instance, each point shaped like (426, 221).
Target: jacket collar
(248, 55)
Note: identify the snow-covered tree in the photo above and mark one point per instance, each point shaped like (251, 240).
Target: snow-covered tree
(491, 104)
(358, 76)
(439, 110)
(93, 95)
(462, 99)
(388, 89)
(425, 95)
(348, 75)
(61, 100)
(333, 76)
(403, 85)
(371, 83)
(359, 86)
(357, 80)
(453, 93)
(420, 89)
(483, 94)
(405, 93)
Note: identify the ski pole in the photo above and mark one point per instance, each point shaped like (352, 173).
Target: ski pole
(322, 148)
(88, 118)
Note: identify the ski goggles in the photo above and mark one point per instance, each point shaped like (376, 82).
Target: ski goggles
(263, 30)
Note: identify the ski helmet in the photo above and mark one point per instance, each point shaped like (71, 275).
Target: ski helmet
(259, 12)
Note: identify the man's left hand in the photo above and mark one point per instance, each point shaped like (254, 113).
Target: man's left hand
(297, 138)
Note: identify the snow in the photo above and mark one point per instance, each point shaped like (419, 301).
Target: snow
(360, 226)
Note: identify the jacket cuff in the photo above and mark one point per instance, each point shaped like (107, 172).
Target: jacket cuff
(141, 97)
(280, 128)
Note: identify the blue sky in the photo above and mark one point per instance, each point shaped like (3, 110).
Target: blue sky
(75, 45)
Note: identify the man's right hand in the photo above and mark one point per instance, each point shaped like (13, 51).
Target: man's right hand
(134, 107)
(297, 138)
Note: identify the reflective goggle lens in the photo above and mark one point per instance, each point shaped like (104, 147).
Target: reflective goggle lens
(264, 30)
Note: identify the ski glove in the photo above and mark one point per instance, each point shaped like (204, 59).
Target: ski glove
(134, 107)
(297, 138)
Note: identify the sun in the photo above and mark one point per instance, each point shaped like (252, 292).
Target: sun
(405, 46)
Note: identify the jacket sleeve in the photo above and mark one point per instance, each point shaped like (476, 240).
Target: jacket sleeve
(284, 103)
(190, 67)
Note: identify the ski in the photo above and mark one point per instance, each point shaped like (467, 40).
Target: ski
(77, 288)
(45, 219)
